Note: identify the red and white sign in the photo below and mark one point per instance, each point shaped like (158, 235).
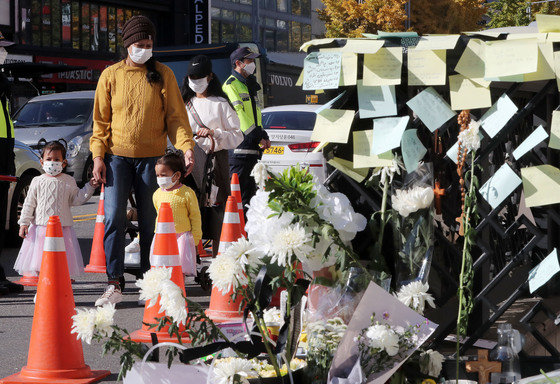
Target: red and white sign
(88, 75)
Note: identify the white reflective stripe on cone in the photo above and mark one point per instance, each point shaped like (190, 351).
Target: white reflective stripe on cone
(240, 206)
(99, 218)
(165, 260)
(54, 244)
(231, 218)
(224, 245)
(102, 196)
(165, 228)
(235, 187)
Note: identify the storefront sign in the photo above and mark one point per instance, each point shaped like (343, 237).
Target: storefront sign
(11, 58)
(199, 26)
(88, 75)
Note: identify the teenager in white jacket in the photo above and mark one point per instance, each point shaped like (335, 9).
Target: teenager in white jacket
(212, 119)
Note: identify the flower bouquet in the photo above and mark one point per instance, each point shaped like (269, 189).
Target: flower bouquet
(413, 202)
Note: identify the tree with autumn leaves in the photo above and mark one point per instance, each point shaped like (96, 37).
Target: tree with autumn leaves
(351, 18)
(510, 13)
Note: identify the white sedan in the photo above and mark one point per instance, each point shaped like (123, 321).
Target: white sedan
(289, 128)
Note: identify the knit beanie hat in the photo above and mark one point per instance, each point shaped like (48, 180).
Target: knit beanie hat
(137, 28)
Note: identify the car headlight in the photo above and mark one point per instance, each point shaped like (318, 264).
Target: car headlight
(74, 146)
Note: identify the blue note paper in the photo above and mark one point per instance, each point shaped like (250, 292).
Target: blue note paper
(321, 70)
(500, 186)
(431, 108)
(498, 115)
(376, 101)
(387, 133)
(412, 150)
(543, 272)
(530, 142)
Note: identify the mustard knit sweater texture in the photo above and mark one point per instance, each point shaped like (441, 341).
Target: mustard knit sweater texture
(186, 212)
(133, 118)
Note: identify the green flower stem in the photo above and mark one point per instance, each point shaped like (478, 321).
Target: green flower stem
(383, 209)
(466, 226)
(264, 332)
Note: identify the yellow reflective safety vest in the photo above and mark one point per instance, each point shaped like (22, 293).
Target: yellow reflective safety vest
(6, 124)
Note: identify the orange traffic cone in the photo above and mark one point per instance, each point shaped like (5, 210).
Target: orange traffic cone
(28, 280)
(97, 262)
(201, 251)
(55, 355)
(165, 254)
(236, 192)
(222, 308)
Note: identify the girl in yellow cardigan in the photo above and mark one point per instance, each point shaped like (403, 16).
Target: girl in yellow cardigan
(184, 204)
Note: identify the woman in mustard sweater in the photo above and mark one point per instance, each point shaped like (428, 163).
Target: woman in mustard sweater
(137, 107)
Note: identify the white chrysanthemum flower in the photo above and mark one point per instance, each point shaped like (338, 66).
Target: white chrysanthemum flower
(84, 324)
(288, 241)
(226, 273)
(260, 174)
(387, 173)
(273, 316)
(315, 260)
(245, 252)
(104, 319)
(233, 370)
(431, 362)
(415, 295)
(151, 285)
(407, 201)
(469, 137)
(382, 337)
(172, 302)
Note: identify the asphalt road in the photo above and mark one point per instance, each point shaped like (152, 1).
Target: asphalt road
(16, 311)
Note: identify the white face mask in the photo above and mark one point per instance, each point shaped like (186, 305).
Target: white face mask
(166, 182)
(139, 55)
(52, 168)
(199, 85)
(250, 68)
(3, 55)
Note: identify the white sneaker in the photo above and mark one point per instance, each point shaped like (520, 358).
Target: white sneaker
(134, 246)
(112, 295)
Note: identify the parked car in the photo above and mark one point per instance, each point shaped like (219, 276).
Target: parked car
(66, 115)
(289, 128)
(28, 166)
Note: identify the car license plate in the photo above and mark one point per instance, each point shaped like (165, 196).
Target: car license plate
(274, 150)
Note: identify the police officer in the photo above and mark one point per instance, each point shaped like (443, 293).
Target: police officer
(7, 163)
(241, 88)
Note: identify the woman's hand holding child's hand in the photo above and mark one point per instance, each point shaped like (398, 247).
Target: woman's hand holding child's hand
(94, 183)
(204, 132)
(23, 230)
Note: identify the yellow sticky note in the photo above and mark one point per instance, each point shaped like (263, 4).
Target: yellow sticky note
(320, 147)
(362, 46)
(308, 44)
(435, 42)
(299, 81)
(485, 33)
(466, 94)
(545, 64)
(471, 63)
(319, 91)
(541, 185)
(553, 37)
(541, 37)
(383, 67)
(510, 57)
(347, 168)
(349, 69)
(333, 125)
(548, 23)
(426, 67)
(555, 131)
(557, 67)
(362, 152)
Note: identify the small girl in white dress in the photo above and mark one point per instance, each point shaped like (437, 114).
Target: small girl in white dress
(50, 194)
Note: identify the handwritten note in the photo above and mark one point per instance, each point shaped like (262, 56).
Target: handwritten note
(433, 42)
(376, 101)
(412, 150)
(530, 142)
(333, 126)
(543, 272)
(431, 108)
(500, 186)
(426, 67)
(548, 23)
(383, 67)
(498, 115)
(321, 70)
(387, 133)
(305, 46)
(555, 131)
(510, 57)
(362, 152)
(471, 63)
(541, 185)
(346, 167)
(466, 94)
(362, 46)
(545, 64)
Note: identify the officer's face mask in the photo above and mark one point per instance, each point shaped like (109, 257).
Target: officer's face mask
(250, 68)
